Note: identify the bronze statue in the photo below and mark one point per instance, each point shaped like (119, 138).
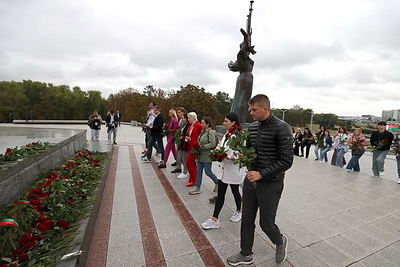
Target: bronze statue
(244, 65)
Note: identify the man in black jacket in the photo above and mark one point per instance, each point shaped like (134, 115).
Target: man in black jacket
(381, 141)
(263, 186)
(156, 136)
(112, 125)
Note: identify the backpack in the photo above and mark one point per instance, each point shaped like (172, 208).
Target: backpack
(216, 139)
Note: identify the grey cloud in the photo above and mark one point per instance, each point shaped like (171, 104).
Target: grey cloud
(291, 53)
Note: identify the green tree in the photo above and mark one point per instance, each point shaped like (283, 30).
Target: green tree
(326, 119)
(224, 102)
(196, 99)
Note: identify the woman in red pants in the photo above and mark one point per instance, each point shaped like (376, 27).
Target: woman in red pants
(192, 135)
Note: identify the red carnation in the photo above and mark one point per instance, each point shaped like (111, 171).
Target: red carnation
(62, 223)
(197, 145)
(8, 151)
(22, 257)
(43, 227)
(386, 140)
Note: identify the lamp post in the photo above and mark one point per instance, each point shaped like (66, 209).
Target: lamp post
(283, 114)
(312, 116)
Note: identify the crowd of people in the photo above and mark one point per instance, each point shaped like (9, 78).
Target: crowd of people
(381, 141)
(193, 142)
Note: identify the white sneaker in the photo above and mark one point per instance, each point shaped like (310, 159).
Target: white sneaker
(182, 176)
(146, 160)
(237, 216)
(210, 224)
(381, 174)
(398, 180)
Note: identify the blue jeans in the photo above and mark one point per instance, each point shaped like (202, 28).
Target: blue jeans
(378, 161)
(160, 145)
(354, 163)
(148, 137)
(199, 174)
(316, 149)
(398, 165)
(339, 157)
(324, 152)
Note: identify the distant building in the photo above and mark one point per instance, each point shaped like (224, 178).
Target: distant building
(363, 119)
(296, 107)
(391, 115)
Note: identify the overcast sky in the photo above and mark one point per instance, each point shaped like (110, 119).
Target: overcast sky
(339, 57)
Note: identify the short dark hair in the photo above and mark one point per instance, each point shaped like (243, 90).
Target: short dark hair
(181, 109)
(232, 116)
(382, 123)
(157, 107)
(207, 120)
(260, 99)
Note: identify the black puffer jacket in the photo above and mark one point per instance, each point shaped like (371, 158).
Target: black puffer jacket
(273, 142)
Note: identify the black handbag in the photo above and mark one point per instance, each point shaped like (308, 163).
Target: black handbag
(356, 152)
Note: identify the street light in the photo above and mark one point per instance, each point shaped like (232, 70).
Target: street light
(283, 114)
(312, 116)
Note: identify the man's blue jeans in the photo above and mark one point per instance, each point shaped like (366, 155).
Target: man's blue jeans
(160, 145)
(207, 168)
(354, 163)
(378, 161)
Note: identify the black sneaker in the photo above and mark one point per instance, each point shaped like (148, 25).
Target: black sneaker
(176, 171)
(162, 165)
(213, 200)
(173, 164)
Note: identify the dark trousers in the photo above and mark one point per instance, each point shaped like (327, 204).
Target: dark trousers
(222, 187)
(160, 146)
(296, 149)
(266, 197)
(307, 148)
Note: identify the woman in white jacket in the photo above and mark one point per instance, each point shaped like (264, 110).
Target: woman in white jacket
(232, 175)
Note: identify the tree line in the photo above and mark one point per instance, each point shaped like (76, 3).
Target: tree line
(33, 100)
(40, 101)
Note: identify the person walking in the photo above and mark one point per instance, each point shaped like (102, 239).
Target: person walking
(156, 136)
(319, 142)
(326, 147)
(231, 176)
(357, 143)
(95, 125)
(183, 147)
(118, 114)
(178, 163)
(112, 125)
(298, 139)
(273, 143)
(206, 143)
(172, 127)
(381, 142)
(149, 124)
(340, 145)
(193, 132)
(308, 140)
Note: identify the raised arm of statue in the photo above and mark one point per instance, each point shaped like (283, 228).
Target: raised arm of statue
(243, 62)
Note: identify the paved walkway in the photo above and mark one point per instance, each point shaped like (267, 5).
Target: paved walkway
(331, 217)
